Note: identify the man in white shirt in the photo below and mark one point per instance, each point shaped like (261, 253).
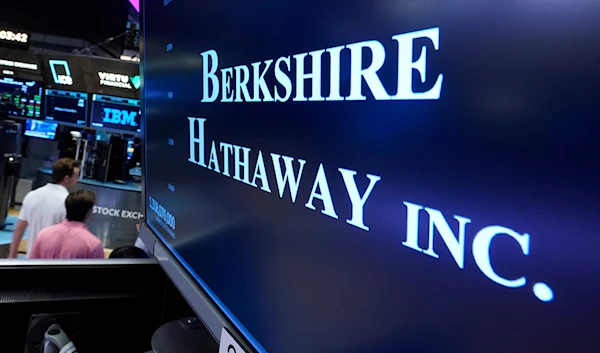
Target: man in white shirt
(45, 206)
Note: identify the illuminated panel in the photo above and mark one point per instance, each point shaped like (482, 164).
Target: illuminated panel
(115, 113)
(23, 97)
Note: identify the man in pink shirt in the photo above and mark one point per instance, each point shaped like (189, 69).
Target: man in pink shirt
(70, 239)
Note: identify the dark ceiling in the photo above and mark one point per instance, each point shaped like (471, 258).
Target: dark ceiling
(93, 20)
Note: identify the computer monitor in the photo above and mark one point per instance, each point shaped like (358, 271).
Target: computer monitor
(107, 305)
(24, 97)
(115, 113)
(40, 129)
(378, 176)
(66, 107)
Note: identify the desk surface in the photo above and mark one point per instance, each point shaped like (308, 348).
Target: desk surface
(126, 187)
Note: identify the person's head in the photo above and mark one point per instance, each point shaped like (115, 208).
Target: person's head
(65, 172)
(128, 252)
(80, 204)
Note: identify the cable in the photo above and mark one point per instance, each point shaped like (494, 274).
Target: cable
(100, 44)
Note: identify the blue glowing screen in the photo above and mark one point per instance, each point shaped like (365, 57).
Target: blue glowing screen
(381, 176)
(40, 129)
(115, 113)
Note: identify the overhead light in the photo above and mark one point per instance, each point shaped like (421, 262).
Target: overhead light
(129, 58)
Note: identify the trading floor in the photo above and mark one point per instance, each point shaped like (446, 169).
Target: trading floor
(6, 238)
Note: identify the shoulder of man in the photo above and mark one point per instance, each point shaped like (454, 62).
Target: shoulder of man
(43, 234)
(32, 193)
(94, 243)
(92, 239)
(26, 207)
(50, 229)
(39, 192)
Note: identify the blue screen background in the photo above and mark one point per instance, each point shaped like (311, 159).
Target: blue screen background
(512, 141)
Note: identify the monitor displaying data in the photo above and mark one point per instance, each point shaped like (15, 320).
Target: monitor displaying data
(115, 113)
(380, 176)
(22, 97)
(66, 107)
(40, 129)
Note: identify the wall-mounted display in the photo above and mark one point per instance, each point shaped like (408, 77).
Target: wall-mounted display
(22, 97)
(115, 113)
(66, 107)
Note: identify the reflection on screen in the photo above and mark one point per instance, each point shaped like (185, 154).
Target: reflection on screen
(24, 98)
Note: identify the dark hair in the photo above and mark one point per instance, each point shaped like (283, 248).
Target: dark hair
(78, 204)
(62, 168)
(128, 252)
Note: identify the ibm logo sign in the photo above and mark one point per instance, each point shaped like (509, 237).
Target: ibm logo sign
(120, 117)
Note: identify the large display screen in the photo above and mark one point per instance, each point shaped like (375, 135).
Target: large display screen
(40, 129)
(23, 97)
(115, 113)
(66, 107)
(381, 176)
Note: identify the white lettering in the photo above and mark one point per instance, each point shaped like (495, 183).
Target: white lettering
(315, 76)
(283, 179)
(197, 141)
(259, 82)
(208, 73)
(357, 73)
(456, 246)
(18, 64)
(111, 79)
(406, 65)
(241, 83)
(226, 81)
(260, 172)
(113, 212)
(213, 163)
(360, 71)
(334, 72)
(283, 79)
(227, 149)
(325, 195)
(239, 164)
(454, 238)
(358, 202)
(412, 226)
(481, 253)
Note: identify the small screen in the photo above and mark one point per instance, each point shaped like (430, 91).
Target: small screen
(130, 149)
(40, 129)
(115, 113)
(24, 98)
(66, 107)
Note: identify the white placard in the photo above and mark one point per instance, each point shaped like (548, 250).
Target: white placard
(228, 343)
